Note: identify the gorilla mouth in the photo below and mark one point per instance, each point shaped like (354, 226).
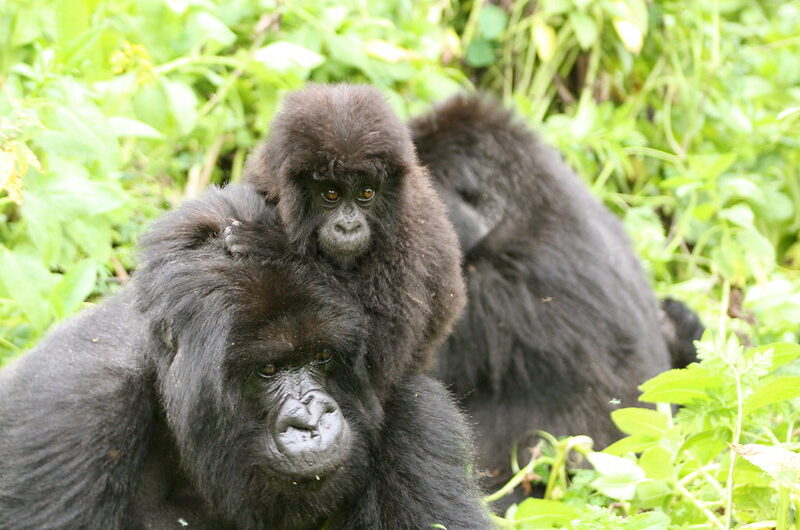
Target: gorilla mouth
(310, 455)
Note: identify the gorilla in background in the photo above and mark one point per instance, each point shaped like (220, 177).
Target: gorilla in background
(235, 397)
(341, 170)
(560, 318)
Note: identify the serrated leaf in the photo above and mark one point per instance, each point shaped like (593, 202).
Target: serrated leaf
(634, 420)
(775, 461)
(773, 390)
(782, 352)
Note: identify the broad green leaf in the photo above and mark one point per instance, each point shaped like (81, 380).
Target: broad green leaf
(283, 56)
(73, 288)
(773, 390)
(43, 224)
(634, 420)
(680, 386)
(206, 28)
(656, 463)
(480, 53)
(739, 214)
(492, 21)
(631, 444)
(19, 275)
(540, 513)
(585, 28)
(706, 445)
(618, 476)
(129, 127)
(648, 521)
(183, 104)
(544, 38)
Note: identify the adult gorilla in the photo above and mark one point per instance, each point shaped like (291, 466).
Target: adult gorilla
(560, 319)
(237, 398)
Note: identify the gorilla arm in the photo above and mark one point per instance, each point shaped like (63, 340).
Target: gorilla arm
(74, 423)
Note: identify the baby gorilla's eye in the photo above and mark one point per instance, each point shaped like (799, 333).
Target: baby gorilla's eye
(366, 194)
(268, 370)
(323, 357)
(331, 195)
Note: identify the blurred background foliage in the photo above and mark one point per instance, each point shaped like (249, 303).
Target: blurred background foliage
(683, 116)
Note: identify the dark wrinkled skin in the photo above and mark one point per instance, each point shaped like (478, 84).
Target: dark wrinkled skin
(560, 321)
(226, 393)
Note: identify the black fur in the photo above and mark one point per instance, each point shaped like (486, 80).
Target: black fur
(561, 325)
(135, 413)
(681, 327)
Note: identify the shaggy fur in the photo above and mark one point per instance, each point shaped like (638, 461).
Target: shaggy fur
(560, 321)
(409, 281)
(142, 418)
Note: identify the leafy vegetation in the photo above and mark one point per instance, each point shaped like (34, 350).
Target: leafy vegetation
(683, 116)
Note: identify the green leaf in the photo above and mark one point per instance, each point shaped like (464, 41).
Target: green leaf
(618, 476)
(206, 28)
(73, 288)
(706, 445)
(680, 386)
(631, 444)
(782, 352)
(480, 53)
(540, 513)
(129, 127)
(585, 29)
(773, 390)
(183, 104)
(492, 21)
(634, 420)
(656, 463)
(283, 56)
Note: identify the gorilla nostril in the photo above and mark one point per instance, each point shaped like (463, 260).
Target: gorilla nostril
(347, 228)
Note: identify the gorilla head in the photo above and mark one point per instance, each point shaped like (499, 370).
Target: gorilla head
(337, 158)
(262, 389)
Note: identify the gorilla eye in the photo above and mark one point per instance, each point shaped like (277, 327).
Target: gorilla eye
(323, 357)
(331, 195)
(366, 194)
(268, 370)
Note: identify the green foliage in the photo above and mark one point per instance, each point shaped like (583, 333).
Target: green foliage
(112, 111)
(683, 116)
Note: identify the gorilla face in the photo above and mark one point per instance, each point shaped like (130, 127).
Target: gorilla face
(305, 433)
(343, 207)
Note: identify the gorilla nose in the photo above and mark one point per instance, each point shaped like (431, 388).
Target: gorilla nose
(311, 428)
(348, 227)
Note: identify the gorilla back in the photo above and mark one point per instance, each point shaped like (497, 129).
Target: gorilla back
(560, 319)
(230, 394)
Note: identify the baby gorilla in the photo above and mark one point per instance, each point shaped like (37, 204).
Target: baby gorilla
(234, 397)
(351, 197)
